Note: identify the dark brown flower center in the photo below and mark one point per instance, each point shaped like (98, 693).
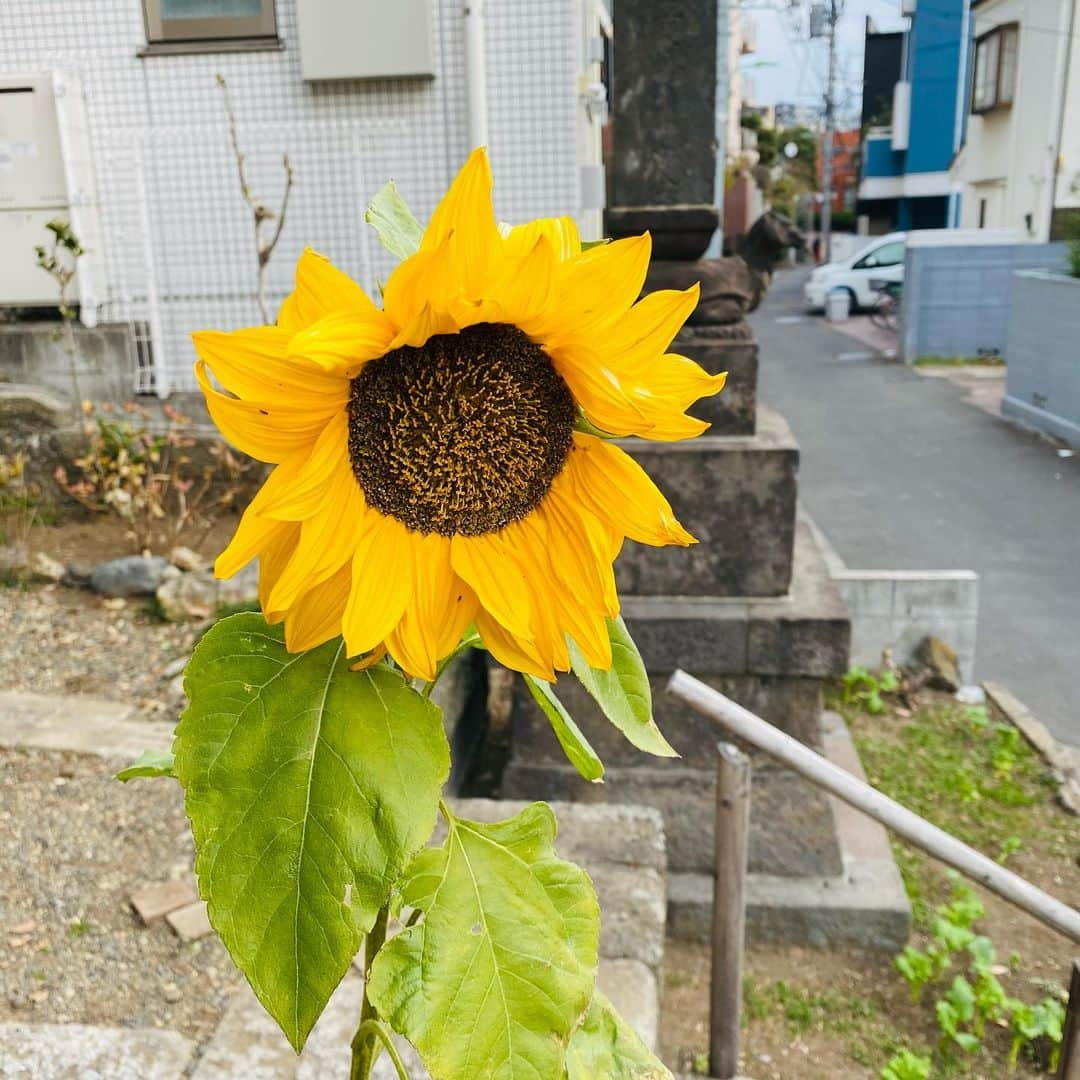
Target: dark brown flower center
(462, 435)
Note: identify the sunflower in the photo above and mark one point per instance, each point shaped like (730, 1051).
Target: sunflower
(430, 471)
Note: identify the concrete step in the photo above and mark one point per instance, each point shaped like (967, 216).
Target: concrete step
(737, 495)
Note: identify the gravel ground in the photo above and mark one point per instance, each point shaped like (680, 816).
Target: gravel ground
(74, 844)
(58, 640)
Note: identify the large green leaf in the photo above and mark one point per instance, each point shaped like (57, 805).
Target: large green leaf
(399, 232)
(498, 972)
(309, 788)
(605, 1045)
(623, 692)
(576, 747)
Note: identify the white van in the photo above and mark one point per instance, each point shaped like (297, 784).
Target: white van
(881, 260)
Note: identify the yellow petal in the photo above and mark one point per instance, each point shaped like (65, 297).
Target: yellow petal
(525, 289)
(615, 488)
(253, 535)
(273, 559)
(561, 232)
(254, 364)
(382, 571)
(440, 607)
(487, 564)
(675, 382)
(466, 218)
(530, 543)
(585, 577)
(315, 617)
(327, 539)
(343, 343)
(309, 486)
(597, 288)
(321, 289)
(597, 389)
(511, 652)
(649, 327)
(267, 431)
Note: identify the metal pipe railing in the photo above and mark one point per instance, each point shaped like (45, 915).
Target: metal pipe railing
(914, 829)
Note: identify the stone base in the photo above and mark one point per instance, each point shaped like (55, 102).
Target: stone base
(737, 495)
(865, 906)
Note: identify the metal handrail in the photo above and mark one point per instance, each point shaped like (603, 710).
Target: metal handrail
(913, 828)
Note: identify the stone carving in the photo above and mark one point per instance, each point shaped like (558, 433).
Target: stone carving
(733, 286)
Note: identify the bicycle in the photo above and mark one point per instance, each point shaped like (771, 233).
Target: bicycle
(885, 314)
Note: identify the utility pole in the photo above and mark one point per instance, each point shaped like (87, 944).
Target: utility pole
(830, 129)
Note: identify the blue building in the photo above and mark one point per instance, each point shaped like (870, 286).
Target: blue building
(909, 140)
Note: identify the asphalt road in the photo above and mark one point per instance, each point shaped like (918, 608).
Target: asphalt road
(901, 473)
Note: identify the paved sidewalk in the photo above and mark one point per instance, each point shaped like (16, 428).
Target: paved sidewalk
(902, 473)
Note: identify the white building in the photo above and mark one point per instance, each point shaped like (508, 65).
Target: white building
(133, 145)
(1020, 162)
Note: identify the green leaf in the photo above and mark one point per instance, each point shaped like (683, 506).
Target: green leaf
(148, 763)
(309, 788)
(623, 692)
(399, 232)
(576, 747)
(496, 975)
(584, 424)
(605, 1045)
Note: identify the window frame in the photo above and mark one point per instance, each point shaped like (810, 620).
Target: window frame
(999, 37)
(161, 30)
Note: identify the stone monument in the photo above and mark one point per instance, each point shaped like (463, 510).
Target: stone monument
(750, 609)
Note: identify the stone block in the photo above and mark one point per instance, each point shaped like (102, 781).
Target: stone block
(155, 901)
(734, 410)
(792, 704)
(80, 1050)
(791, 822)
(632, 988)
(737, 496)
(191, 922)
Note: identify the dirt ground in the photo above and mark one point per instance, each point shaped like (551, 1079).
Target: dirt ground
(74, 844)
(831, 1015)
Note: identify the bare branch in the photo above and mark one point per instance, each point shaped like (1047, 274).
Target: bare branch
(264, 248)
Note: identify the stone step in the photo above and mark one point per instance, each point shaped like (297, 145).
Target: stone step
(736, 495)
(865, 906)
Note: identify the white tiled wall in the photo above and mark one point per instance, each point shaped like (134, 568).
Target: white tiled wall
(166, 183)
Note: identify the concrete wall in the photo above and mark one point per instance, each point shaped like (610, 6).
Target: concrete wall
(957, 298)
(1042, 388)
(34, 354)
(897, 609)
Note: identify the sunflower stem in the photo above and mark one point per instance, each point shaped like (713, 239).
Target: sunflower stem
(365, 1048)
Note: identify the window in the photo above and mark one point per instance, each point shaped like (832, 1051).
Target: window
(886, 255)
(208, 20)
(994, 82)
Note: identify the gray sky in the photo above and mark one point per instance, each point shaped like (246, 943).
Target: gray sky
(789, 67)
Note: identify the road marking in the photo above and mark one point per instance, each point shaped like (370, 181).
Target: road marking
(788, 319)
(855, 356)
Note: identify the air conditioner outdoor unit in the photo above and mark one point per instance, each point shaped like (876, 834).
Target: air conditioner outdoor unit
(33, 186)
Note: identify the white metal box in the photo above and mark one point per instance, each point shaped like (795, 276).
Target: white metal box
(365, 39)
(31, 165)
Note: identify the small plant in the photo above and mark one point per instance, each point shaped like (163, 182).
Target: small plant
(20, 505)
(976, 997)
(60, 260)
(906, 1065)
(1072, 240)
(148, 479)
(864, 689)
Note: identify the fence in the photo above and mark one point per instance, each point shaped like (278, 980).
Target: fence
(732, 825)
(179, 249)
(957, 296)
